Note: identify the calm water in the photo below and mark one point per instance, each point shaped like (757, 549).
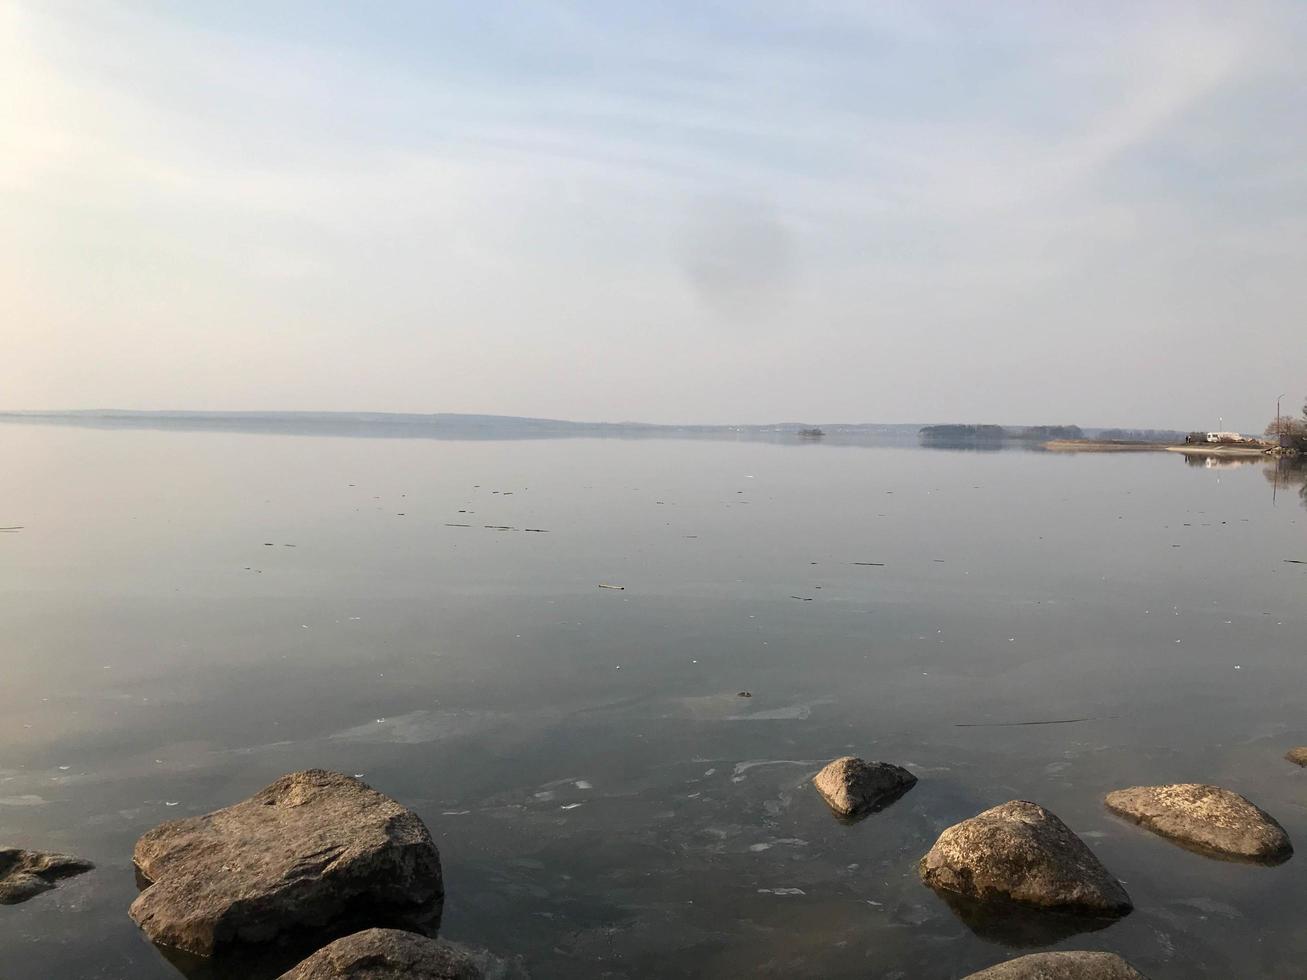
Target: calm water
(189, 615)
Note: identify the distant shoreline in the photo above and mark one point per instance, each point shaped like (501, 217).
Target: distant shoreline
(441, 420)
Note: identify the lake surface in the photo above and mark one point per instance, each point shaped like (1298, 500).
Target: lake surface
(188, 615)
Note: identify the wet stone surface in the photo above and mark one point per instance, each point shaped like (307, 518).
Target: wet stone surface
(311, 848)
(1062, 965)
(1019, 852)
(1205, 818)
(386, 954)
(854, 788)
(26, 874)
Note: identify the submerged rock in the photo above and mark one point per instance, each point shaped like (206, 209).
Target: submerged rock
(854, 788)
(27, 873)
(312, 848)
(1207, 818)
(1020, 852)
(385, 954)
(1068, 965)
(1297, 755)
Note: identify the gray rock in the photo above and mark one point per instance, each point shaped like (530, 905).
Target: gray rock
(1297, 755)
(1068, 965)
(853, 787)
(385, 954)
(304, 852)
(1020, 852)
(1206, 818)
(27, 873)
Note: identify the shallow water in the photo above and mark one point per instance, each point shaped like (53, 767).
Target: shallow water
(191, 614)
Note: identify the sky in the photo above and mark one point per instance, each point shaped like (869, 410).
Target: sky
(694, 211)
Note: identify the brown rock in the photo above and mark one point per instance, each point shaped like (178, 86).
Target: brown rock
(1022, 853)
(1297, 755)
(385, 954)
(1068, 965)
(305, 851)
(1206, 818)
(853, 787)
(27, 873)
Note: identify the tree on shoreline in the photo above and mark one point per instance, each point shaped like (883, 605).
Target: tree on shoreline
(1290, 425)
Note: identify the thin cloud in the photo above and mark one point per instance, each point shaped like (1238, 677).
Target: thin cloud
(867, 175)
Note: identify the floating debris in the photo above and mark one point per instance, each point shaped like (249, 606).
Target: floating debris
(616, 588)
(1021, 724)
(458, 525)
(802, 598)
(744, 694)
(870, 564)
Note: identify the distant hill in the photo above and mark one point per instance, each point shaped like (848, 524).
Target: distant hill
(446, 425)
(452, 425)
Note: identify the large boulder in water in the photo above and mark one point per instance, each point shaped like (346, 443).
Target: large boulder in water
(1297, 755)
(1068, 965)
(306, 851)
(27, 873)
(385, 954)
(1206, 818)
(1020, 852)
(854, 788)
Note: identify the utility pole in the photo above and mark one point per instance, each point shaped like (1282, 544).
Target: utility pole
(1279, 429)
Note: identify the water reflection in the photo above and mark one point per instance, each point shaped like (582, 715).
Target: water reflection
(1288, 473)
(1018, 926)
(1221, 462)
(1284, 473)
(604, 802)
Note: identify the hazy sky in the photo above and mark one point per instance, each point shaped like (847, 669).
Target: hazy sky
(840, 210)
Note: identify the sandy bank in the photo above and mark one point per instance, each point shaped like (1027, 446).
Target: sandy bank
(1106, 446)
